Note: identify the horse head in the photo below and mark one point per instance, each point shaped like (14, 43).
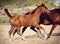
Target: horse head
(44, 9)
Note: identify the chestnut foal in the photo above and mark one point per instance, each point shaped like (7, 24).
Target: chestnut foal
(22, 20)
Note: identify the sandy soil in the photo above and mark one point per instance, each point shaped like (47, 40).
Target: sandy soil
(31, 36)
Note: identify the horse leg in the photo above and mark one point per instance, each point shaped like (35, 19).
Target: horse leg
(39, 27)
(53, 27)
(37, 32)
(11, 30)
(20, 33)
(33, 28)
(45, 34)
(24, 28)
(14, 32)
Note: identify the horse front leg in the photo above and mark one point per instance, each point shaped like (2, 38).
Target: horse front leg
(37, 33)
(45, 34)
(40, 27)
(53, 27)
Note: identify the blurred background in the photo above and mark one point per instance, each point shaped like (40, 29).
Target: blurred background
(23, 6)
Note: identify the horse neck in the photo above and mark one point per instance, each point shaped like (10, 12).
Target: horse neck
(38, 12)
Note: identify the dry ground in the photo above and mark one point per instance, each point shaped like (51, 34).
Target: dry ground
(31, 36)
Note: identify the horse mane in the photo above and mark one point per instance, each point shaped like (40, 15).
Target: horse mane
(35, 10)
(27, 13)
(32, 11)
(57, 10)
(38, 7)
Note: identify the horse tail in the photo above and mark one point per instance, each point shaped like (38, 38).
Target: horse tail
(6, 11)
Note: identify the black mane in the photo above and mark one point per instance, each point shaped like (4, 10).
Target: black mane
(38, 7)
(57, 10)
(27, 13)
(35, 10)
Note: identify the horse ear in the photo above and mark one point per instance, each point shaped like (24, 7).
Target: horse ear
(42, 4)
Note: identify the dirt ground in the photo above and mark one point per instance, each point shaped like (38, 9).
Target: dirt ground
(30, 36)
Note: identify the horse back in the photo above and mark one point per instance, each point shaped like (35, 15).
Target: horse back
(55, 15)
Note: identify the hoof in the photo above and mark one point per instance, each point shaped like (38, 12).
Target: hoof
(10, 40)
(23, 38)
(46, 37)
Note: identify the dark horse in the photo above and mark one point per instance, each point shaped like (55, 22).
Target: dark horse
(22, 20)
(48, 19)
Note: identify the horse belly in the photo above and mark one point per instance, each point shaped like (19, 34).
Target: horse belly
(26, 23)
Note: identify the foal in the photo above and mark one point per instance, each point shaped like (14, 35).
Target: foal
(22, 20)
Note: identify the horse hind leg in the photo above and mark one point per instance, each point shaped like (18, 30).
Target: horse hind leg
(14, 32)
(10, 31)
(33, 28)
(23, 30)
